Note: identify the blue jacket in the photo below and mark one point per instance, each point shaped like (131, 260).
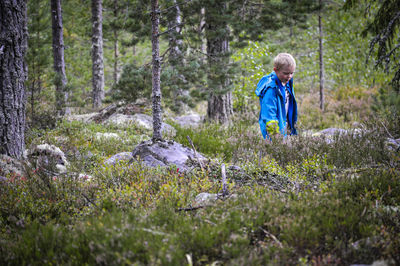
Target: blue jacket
(272, 101)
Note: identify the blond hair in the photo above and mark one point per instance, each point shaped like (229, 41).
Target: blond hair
(284, 59)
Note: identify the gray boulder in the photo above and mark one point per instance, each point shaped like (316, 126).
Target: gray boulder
(141, 120)
(48, 157)
(192, 120)
(165, 153)
(122, 156)
(329, 134)
(81, 117)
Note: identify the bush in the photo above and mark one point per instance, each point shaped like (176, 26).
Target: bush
(135, 82)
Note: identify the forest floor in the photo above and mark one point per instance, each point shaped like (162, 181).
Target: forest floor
(310, 200)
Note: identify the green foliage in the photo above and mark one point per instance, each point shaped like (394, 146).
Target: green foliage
(39, 84)
(229, 142)
(253, 61)
(384, 26)
(386, 106)
(135, 82)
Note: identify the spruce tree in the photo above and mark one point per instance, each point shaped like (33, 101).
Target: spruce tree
(384, 27)
(38, 59)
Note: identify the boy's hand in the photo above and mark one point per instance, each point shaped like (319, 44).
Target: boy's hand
(272, 128)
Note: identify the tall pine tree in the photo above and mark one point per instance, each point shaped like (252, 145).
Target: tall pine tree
(97, 54)
(58, 58)
(13, 73)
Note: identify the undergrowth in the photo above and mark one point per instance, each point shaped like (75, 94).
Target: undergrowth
(306, 200)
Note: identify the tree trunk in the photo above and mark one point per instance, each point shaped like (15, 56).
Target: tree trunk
(97, 53)
(58, 57)
(116, 51)
(321, 64)
(156, 62)
(116, 58)
(220, 106)
(13, 74)
(202, 24)
(175, 46)
(174, 29)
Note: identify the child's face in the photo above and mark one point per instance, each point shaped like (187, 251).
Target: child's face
(285, 73)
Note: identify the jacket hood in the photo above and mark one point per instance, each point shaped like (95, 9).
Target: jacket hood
(266, 81)
(270, 80)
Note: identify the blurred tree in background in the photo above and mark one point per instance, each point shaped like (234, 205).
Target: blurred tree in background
(253, 32)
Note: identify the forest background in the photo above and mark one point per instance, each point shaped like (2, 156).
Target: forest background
(349, 67)
(310, 202)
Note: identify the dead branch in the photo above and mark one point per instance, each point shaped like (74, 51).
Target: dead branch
(276, 240)
(191, 208)
(195, 153)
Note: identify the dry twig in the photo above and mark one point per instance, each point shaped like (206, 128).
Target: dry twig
(195, 153)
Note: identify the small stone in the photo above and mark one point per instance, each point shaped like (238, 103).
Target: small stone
(205, 198)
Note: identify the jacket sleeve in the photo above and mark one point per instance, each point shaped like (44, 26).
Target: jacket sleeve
(269, 112)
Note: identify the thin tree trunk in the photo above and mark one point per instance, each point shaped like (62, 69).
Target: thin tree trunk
(157, 115)
(321, 64)
(116, 52)
(175, 55)
(174, 28)
(97, 53)
(58, 57)
(13, 74)
(219, 106)
(203, 47)
(116, 58)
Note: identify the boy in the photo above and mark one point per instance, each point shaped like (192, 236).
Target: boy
(278, 114)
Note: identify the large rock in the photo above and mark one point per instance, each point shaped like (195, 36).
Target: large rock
(329, 134)
(48, 157)
(165, 153)
(192, 120)
(83, 117)
(141, 120)
(117, 108)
